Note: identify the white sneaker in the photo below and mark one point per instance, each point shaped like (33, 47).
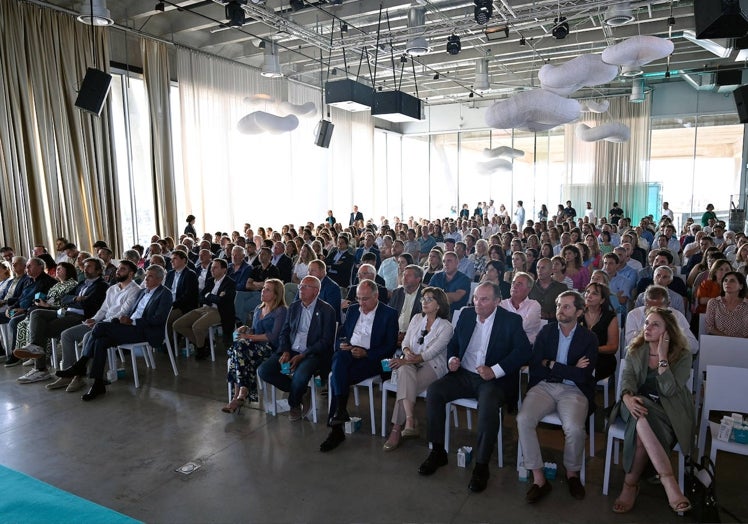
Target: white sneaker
(35, 375)
(28, 362)
(76, 384)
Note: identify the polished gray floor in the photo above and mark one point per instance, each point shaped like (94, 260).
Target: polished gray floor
(122, 452)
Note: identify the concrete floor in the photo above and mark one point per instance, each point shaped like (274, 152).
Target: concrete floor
(122, 452)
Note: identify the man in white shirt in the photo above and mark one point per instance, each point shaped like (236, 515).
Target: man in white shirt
(118, 301)
(589, 213)
(657, 296)
(525, 307)
(389, 266)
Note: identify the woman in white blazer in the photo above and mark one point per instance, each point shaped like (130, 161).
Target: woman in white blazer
(424, 360)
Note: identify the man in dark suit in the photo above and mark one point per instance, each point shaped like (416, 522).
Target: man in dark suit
(144, 322)
(183, 284)
(370, 332)
(306, 341)
(356, 215)
(485, 354)
(38, 285)
(217, 306)
(282, 262)
(369, 247)
(330, 291)
(81, 303)
(339, 263)
(561, 380)
(406, 299)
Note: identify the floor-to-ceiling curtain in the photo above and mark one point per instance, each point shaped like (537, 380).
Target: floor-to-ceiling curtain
(56, 168)
(156, 74)
(605, 172)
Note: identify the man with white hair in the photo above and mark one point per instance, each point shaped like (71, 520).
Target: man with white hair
(527, 308)
(657, 296)
(663, 276)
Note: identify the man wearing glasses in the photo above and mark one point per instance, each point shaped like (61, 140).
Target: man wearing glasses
(306, 342)
(368, 336)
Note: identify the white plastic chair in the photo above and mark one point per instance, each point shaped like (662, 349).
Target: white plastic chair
(272, 403)
(726, 390)
(719, 351)
(388, 386)
(472, 404)
(145, 350)
(366, 383)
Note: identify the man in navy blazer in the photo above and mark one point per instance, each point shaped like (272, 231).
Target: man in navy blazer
(306, 341)
(144, 322)
(561, 380)
(486, 351)
(370, 333)
(186, 292)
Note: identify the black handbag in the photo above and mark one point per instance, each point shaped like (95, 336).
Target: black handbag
(700, 489)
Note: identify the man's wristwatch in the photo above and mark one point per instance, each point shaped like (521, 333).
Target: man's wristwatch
(663, 363)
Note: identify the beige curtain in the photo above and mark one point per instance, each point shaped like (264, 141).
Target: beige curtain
(156, 73)
(606, 172)
(56, 167)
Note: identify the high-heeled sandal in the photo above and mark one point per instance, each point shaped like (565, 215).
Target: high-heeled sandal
(235, 406)
(393, 441)
(681, 505)
(621, 507)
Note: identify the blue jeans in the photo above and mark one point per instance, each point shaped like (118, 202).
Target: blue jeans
(295, 385)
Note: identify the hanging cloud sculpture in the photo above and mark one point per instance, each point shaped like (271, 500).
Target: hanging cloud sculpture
(634, 52)
(595, 107)
(503, 152)
(498, 160)
(571, 76)
(537, 110)
(263, 122)
(610, 132)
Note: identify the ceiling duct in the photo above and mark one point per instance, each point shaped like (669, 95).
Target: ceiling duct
(720, 47)
(271, 67)
(638, 91)
(482, 82)
(417, 44)
(715, 82)
(94, 12)
(617, 15)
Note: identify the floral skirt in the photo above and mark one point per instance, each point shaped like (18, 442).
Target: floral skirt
(244, 358)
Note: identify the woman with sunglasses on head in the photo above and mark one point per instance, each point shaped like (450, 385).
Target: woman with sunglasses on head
(423, 361)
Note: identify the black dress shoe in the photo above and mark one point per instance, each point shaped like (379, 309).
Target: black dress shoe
(202, 353)
(434, 461)
(340, 417)
(535, 493)
(76, 370)
(575, 488)
(96, 390)
(479, 480)
(333, 440)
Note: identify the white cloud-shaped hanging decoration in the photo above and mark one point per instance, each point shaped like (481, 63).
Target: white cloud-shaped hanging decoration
(281, 108)
(263, 122)
(537, 110)
(503, 152)
(495, 165)
(498, 160)
(634, 52)
(591, 106)
(571, 76)
(610, 132)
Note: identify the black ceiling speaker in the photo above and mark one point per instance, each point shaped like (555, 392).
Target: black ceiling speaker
(324, 133)
(93, 92)
(720, 18)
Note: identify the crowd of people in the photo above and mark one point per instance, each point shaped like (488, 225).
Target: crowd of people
(454, 307)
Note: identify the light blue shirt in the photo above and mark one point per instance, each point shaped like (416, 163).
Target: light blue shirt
(300, 340)
(142, 304)
(564, 343)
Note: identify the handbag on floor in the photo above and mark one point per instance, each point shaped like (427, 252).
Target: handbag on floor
(700, 489)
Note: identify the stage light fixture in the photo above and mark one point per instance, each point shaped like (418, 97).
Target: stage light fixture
(561, 28)
(522, 41)
(453, 44)
(436, 76)
(235, 13)
(483, 11)
(160, 6)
